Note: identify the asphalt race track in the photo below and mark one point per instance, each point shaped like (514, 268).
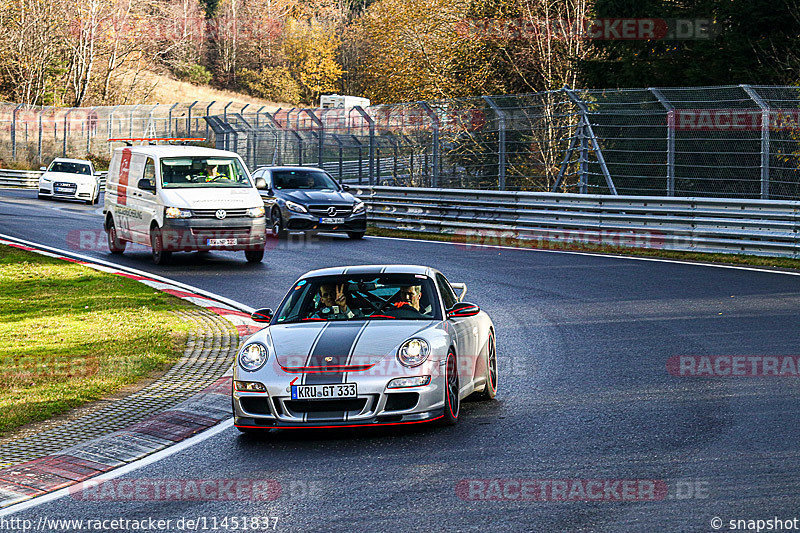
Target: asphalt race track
(584, 394)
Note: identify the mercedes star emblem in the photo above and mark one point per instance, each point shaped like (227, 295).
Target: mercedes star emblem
(331, 211)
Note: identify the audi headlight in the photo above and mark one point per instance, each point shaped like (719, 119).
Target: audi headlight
(294, 206)
(252, 357)
(358, 207)
(256, 212)
(174, 212)
(413, 352)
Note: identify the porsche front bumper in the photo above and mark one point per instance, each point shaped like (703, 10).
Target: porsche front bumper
(375, 404)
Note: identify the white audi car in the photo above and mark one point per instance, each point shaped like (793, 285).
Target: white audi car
(365, 346)
(72, 179)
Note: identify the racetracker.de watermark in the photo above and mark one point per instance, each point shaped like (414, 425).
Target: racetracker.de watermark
(601, 29)
(580, 490)
(153, 490)
(734, 120)
(484, 239)
(96, 240)
(734, 365)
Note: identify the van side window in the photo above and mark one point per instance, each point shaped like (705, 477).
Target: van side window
(150, 172)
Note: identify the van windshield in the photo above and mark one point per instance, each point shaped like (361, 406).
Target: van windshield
(193, 172)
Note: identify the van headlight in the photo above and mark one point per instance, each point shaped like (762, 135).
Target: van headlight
(413, 352)
(256, 212)
(174, 212)
(253, 356)
(358, 207)
(294, 206)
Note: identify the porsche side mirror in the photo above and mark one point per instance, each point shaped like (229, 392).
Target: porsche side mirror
(261, 184)
(42, 168)
(463, 309)
(345, 187)
(262, 315)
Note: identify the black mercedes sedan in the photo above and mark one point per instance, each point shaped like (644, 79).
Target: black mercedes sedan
(308, 199)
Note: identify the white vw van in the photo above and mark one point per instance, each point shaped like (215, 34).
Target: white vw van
(182, 198)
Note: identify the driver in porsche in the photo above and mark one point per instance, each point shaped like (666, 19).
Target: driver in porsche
(410, 296)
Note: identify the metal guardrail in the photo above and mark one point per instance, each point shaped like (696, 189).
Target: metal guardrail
(29, 179)
(756, 227)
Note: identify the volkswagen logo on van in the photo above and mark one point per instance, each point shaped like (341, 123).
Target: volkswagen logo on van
(220, 214)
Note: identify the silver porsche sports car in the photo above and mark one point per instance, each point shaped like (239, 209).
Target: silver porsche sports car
(365, 346)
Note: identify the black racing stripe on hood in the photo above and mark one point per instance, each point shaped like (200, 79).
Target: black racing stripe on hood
(336, 342)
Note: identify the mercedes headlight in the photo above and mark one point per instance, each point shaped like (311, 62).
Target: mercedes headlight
(358, 207)
(294, 206)
(413, 352)
(252, 357)
(174, 212)
(256, 212)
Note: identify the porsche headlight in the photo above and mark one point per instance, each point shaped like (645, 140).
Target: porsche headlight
(358, 207)
(413, 352)
(256, 212)
(174, 212)
(252, 357)
(294, 206)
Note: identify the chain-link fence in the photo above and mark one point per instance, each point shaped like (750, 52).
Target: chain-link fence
(735, 141)
(35, 135)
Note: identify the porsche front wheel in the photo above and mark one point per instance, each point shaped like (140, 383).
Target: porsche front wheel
(452, 401)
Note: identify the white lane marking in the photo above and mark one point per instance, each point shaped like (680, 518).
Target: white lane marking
(122, 470)
(591, 254)
(129, 270)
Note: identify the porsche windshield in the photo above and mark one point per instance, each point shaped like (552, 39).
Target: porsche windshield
(186, 172)
(359, 297)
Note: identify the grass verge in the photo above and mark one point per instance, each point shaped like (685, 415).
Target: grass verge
(782, 263)
(70, 335)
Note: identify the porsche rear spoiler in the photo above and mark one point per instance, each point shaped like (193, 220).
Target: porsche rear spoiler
(460, 287)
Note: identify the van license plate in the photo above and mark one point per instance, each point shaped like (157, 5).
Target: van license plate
(331, 221)
(221, 242)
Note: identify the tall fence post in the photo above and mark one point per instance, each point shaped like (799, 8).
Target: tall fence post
(14, 133)
(169, 119)
(589, 136)
(321, 141)
(765, 122)
(208, 112)
(130, 122)
(435, 129)
(583, 180)
(501, 143)
(66, 132)
(91, 119)
(258, 112)
(341, 156)
(670, 139)
(371, 124)
(288, 128)
(110, 126)
(189, 119)
(39, 139)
